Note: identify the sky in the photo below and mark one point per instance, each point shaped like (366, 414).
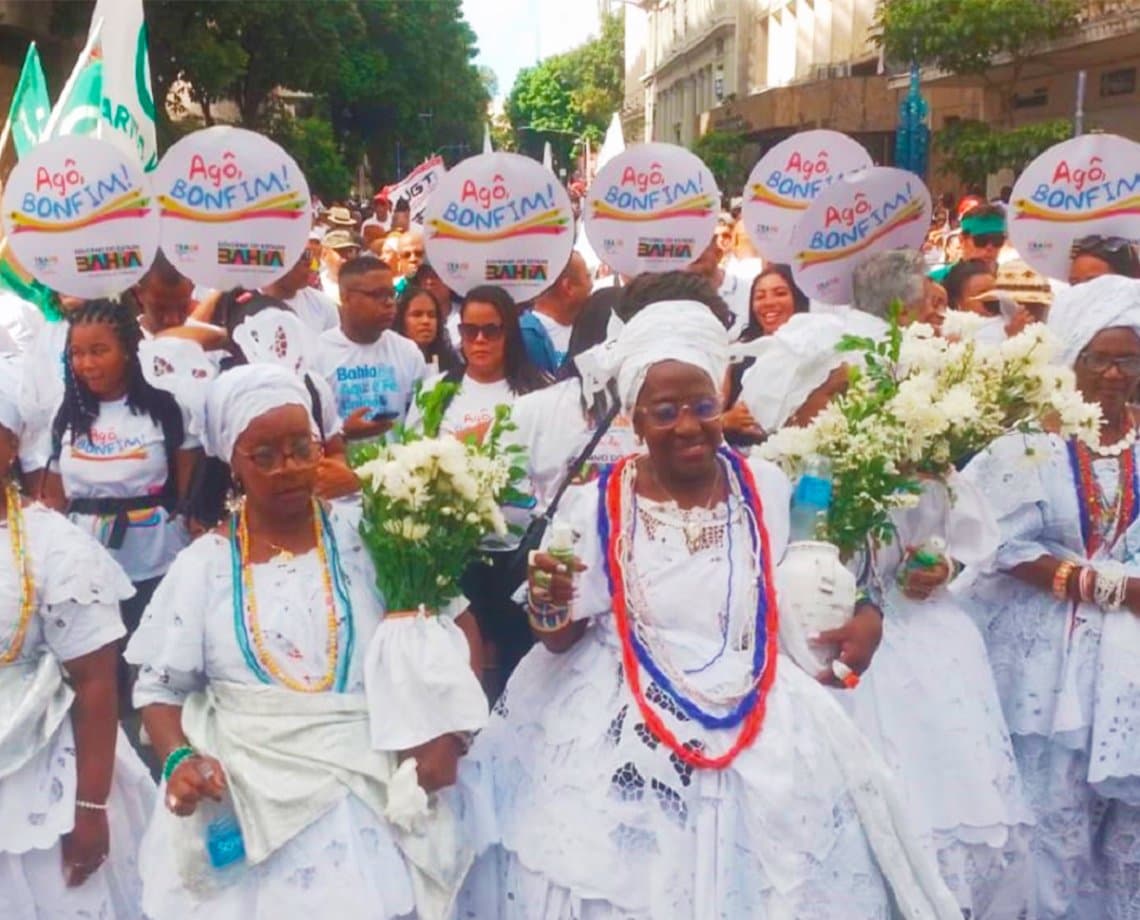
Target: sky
(513, 34)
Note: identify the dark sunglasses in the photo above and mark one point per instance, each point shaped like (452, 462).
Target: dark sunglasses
(982, 240)
(1096, 242)
(492, 332)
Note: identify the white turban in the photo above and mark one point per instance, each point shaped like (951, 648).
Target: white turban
(671, 330)
(790, 364)
(10, 415)
(243, 394)
(1082, 311)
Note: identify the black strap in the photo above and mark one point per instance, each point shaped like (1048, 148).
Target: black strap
(119, 508)
(576, 464)
(318, 410)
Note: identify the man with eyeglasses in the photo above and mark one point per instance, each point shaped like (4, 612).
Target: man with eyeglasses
(983, 236)
(371, 369)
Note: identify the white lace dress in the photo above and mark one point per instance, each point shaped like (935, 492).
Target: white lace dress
(589, 817)
(929, 704)
(78, 588)
(1072, 702)
(347, 863)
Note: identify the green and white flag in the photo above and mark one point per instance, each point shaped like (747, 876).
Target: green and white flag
(30, 107)
(128, 100)
(79, 108)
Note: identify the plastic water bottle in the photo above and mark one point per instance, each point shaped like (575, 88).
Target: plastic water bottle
(811, 499)
(225, 848)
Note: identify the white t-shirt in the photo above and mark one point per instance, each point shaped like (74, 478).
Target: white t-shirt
(125, 457)
(559, 334)
(384, 225)
(552, 427)
(473, 405)
(380, 376)
(317, 310)
(452, 327)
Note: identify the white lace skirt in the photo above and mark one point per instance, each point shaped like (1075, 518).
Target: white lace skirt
(32, 883)
(596, 819)
(929, 705)
(346, 864)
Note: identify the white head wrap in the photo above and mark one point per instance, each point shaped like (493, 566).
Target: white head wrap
(1080, 312)
(274, 336)
(243, 394)
(10, 415)
(790, 364)
(671, 330)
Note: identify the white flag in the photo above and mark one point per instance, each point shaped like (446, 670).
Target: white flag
(128, 100)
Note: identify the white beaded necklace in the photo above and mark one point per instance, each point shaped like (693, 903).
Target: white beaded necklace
(1119, 447)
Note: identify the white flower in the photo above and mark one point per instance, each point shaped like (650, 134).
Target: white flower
(958, 405)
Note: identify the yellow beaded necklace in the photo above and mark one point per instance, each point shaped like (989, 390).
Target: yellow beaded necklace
(19, 541)
(264, 657)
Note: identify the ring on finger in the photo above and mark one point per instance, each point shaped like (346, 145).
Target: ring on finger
(172, 802)
(841, 671)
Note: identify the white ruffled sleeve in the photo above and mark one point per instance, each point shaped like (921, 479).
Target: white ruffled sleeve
(79, 586)
(169, 645)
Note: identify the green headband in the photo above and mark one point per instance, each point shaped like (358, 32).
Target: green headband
(983, 224)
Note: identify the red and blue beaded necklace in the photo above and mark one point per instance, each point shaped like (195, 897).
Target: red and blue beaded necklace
(1095, 518)
(748, 714)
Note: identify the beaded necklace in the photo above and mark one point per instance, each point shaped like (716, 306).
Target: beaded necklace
(748, 714)
(1099, 523)
(248, 628)
(19, 540)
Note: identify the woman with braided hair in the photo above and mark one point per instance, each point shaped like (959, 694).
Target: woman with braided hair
(121, 455)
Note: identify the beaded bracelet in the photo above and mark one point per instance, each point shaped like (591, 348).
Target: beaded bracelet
(1086, 584)
(90, 806)
(175, 758)
(548, 618)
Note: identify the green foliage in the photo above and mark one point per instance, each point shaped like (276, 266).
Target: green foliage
(723, 153)
(967, 36)
(973, 150)
(572, 96)
(311, 143)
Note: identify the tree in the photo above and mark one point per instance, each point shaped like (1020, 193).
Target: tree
(971, 38)
(311, 143)
(972, 150)
(723, 154)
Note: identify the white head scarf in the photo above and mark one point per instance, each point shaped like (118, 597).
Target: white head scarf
(671, 330)
(1080, 312)
(10, 415)
(243, 394)
(790, 364)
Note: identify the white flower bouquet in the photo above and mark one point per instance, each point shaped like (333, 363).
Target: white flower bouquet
(920, 405)
(428, 502)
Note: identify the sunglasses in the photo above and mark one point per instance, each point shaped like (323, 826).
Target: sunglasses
(667, 414)
(985, 240)
(491, 332)
(1099, 363)
(1095, 242)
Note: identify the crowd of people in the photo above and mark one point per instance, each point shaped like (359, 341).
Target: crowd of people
(189, 599)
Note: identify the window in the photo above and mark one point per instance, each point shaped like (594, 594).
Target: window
(1031, 100)
(1118, 82)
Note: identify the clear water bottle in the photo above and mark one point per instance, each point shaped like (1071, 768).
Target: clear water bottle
(811, 499)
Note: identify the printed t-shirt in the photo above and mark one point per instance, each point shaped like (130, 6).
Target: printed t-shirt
(125, 457)
(379, 376)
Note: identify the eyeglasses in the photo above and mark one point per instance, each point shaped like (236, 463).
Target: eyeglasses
(387, 295)
(987, 240)
(667, 414)
(269, 457)
(1098, 363)
(1097, 243)
(470, 332)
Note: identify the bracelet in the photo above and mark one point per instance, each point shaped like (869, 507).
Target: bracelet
(90, 806)
(1086, 584)
(547, 618)
(1061, 580)
(175, 758)
(1111, 585)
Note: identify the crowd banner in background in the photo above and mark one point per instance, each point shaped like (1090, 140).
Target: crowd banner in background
(417, 186)
(652, 208)
(1080, 187)
(788, 178)
(853, 219)
(80, 217)
(499, 218)
(234, 207)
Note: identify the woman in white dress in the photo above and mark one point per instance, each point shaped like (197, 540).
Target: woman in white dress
(73, 795)
(655, 757)
(928, 703)
(252, 688)
(1058, 606)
